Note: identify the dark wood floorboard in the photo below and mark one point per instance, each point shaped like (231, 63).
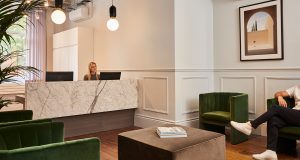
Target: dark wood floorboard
(243, 151)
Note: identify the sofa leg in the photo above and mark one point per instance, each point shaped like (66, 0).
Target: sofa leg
(237, 137)
(286, 145)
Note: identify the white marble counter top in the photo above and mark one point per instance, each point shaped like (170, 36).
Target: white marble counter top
(60, 99)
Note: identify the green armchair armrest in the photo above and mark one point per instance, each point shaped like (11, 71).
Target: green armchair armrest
(239, 108)
(273, 101)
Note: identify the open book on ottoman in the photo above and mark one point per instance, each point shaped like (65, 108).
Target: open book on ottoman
(171, 132)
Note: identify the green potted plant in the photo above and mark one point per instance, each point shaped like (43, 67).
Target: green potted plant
(11, 11)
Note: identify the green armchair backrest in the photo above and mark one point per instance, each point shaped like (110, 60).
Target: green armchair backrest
(19, 115)
(44, 141)
(215, 101)
(26, 135)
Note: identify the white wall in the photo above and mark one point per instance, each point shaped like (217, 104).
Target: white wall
(142, 48)
(260, 79)
(226, 36)
(50, 31)
(193, 57)
(193, 34)
(182, 48)
(171, 76)
(145, 39)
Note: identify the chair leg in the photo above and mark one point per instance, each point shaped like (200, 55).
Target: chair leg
(237, 137)
(286, 145)
(214, 128)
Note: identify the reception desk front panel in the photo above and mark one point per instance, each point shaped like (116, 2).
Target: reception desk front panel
(61, 99)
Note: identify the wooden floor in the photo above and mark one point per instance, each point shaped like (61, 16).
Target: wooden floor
(243, 151)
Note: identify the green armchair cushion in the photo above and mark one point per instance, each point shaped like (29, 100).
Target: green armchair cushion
(19, 115)
(290, 131)
(219, 116)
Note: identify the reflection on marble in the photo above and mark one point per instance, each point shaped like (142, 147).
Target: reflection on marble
(60, 99)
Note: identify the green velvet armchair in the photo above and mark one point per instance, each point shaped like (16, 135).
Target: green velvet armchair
(287, 135)
(18, 115)
(44, 141)
(217, 109)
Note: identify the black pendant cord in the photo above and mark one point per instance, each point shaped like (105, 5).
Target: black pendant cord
(113, 11)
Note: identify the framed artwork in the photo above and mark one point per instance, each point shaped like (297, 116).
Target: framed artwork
(261, 36)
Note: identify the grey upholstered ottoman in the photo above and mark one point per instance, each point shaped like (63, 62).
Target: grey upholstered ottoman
(144, 144)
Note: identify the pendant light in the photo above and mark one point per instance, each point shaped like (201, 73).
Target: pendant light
(112, 24)
(58, 16)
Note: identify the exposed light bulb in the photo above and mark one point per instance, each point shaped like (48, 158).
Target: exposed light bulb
(58, 16)
(112, 24)
(28, 1)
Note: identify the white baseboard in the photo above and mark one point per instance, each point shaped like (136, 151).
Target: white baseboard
(191, 123)
(144, 121)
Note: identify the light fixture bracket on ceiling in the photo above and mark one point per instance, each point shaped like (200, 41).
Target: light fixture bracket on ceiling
(59, 3)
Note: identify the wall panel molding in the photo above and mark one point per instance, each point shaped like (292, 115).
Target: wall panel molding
(261, 69)
(167, 121)
(146, 94)
(253, 78)
(184, 105)
(267, 79)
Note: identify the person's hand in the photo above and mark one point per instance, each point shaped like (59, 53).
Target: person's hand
(282, 102)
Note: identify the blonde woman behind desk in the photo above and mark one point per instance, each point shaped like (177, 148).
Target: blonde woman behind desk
(92, 74)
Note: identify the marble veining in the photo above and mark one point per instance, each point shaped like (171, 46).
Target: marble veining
(60, 99)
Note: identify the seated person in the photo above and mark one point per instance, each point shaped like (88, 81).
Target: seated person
(92, 74)
(277, 116)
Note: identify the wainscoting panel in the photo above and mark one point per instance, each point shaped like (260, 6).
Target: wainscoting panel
(274, 84)
(243, 85)
(191, 88)
(155, 94)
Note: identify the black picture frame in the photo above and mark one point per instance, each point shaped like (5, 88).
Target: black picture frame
(261, 31)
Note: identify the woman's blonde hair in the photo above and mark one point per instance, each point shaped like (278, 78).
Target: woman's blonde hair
(89, 72)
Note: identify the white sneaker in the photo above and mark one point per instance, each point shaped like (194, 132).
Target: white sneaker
(266, 155)
(245, 128)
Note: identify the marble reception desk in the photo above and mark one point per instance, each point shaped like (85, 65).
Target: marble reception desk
(61, 99)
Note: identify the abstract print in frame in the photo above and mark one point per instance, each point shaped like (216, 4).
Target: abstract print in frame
(261, 36)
